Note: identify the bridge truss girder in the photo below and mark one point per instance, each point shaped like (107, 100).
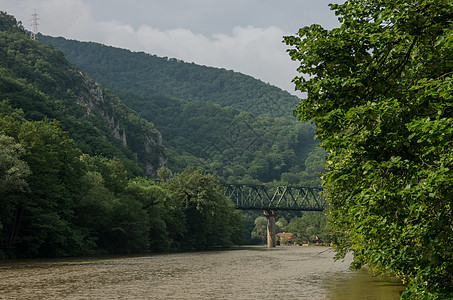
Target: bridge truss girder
(256, 197)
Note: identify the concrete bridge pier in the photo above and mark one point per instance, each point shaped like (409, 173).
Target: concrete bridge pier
(270, 215)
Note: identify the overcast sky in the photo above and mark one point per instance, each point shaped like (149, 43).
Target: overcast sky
(241, 35)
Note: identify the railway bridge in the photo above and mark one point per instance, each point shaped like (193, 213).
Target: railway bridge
(288, 198)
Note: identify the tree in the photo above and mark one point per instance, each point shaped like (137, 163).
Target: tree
(129, 229)
(379, 89)
(13, 170)
(42, 222)
(13, 183)
(210, 217)
(94, 210)
(310, 227)
(153, 199)
(259, 232)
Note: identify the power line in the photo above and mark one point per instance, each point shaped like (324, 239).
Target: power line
(34, 25)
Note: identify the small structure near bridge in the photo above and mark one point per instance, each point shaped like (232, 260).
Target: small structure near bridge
(286, 237)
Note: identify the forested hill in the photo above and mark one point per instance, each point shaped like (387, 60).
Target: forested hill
(223, 122)
(233, 144)
(146, 74)
(220, 121)
(38, 80)
(70, 153)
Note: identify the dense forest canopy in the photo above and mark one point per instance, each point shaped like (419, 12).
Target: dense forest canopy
(40, 81)
(235, 145)
(71, 156)
(145, 74)
(224, 122)
(380, 92)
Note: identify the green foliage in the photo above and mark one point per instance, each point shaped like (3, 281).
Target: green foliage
(41, 222)
(9, 23)
(68, 151)
(120, 69)
(40, 81)
(14, 173)
(58, 202)
(259, 232)
(94, 210)
(153, 199)
(311, 227)
(13, 170)
(129, 227)
(379, 91)
(210, 217)
(225, 141)
(223, 122)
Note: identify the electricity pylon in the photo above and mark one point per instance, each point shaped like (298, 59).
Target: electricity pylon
(34, 25)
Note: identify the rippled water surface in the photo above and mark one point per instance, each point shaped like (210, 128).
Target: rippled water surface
(245, 273)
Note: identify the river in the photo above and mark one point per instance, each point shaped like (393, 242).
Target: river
(285, 272)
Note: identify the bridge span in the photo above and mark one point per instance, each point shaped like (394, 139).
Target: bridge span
(257, 197)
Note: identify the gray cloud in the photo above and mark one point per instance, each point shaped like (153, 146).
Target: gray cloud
(245, 36)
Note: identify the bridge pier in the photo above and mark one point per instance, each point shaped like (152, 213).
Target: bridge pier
(270, 215)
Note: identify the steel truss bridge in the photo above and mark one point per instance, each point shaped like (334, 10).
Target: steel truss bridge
(257, 197)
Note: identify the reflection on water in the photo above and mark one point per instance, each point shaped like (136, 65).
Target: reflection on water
(362, 285)
(244, 273)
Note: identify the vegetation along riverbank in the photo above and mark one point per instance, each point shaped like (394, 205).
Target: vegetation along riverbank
(380, 93)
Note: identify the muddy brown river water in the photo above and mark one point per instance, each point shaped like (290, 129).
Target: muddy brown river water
(243, 273)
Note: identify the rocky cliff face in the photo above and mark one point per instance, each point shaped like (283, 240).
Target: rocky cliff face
(145, 141)
(39, 80)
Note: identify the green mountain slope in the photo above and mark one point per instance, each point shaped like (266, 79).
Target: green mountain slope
(220, 123)
(66, 146)
(231, 143)
(39, 80)
(145, 74)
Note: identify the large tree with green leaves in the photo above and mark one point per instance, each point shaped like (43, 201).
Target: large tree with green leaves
(14, 173)
(210, 219)
(379, 89)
